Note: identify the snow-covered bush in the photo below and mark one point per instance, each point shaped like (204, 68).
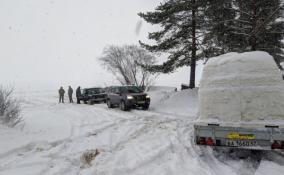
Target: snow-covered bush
(9, 107)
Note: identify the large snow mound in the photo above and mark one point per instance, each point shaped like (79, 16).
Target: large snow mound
(241, 87)
(181, 103)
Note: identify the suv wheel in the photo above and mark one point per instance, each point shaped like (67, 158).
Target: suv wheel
(109, 105)
(145, 107)
(123, 106)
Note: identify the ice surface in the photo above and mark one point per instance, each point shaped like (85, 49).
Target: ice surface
(241, 87)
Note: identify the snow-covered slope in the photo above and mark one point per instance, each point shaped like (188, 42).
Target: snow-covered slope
(61, 139)
(181, 103)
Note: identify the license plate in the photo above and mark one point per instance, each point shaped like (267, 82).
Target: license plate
(141, 102)
(241, 143)
(235, 135)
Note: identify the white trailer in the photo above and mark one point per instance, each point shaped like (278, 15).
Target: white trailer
(241, 102)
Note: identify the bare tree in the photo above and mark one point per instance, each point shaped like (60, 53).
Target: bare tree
(9, 107)
(125, 64)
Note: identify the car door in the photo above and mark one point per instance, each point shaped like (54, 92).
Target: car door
(112, 95)
(109, 94)
(116, 95)
(83, 95)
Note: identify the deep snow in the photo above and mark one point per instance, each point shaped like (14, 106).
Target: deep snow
(54, 137)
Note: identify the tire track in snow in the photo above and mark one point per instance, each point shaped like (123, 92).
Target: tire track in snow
(157, 125)
(98, 131)
(62, 158)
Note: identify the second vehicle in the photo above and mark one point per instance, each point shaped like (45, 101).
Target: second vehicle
(127, 97)
(92, 95)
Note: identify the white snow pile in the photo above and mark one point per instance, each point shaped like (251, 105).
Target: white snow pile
(181, 103)
(241, 87)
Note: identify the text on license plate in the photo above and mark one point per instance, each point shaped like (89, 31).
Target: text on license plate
(241, 143)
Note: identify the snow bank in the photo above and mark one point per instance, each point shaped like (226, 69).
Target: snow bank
(181, 103)
(159, 93)
(241, 87)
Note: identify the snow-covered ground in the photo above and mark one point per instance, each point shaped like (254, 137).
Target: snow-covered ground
(56, 139)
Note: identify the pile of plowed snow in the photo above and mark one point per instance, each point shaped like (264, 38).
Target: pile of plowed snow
(180, 103)
(242, 87)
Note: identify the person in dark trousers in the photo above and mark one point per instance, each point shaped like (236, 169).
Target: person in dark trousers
(78, 94)
(70, 93)
(61, 95)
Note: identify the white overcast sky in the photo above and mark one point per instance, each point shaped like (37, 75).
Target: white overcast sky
(50, 43)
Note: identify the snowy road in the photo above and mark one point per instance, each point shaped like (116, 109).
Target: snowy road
(55, 137)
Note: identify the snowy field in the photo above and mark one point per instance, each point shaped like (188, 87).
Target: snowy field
(69, 139)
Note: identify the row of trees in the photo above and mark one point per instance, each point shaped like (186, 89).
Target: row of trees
(198, 29)
(194, 29)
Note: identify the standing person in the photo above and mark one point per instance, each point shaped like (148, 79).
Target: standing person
(61, 95)
(70, 93)
(78, 94)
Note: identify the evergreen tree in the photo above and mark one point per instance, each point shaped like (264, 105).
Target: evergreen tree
(181, 22)
(220, 16)
(257, 27)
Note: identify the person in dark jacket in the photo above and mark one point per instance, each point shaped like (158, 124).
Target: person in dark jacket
(78, 94)
(61, 95)
(70, 93)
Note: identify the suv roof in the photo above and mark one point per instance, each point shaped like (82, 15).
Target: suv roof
(129, 88)
(94, 90)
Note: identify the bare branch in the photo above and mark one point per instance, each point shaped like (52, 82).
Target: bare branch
(124, 62)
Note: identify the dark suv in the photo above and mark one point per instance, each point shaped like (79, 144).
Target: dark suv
(127, 97)
(92, 95)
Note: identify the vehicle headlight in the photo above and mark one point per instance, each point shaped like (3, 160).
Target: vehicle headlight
(130, 97)
(147, 96)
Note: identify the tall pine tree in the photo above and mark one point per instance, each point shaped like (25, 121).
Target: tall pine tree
(220, 17)
(181, 22)
(257, 27)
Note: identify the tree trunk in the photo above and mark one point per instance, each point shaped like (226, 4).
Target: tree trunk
(193, 49)
(253, 37)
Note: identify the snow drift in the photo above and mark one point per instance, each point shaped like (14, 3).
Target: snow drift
(180, 104)
(241, 87)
